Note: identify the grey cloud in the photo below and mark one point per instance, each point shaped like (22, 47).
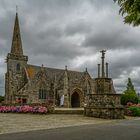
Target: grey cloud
(57, 32)
(78, 27)
(113, 38)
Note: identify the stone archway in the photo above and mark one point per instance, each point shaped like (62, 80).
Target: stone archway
(75, 100)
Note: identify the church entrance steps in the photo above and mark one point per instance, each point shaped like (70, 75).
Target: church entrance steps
(68, 110)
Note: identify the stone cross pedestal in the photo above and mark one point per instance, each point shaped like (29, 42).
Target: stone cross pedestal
(105, 103)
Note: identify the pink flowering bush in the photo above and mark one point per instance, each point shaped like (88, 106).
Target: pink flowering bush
(132, 109)
(42, 109)
(23, 109)
(129, 104)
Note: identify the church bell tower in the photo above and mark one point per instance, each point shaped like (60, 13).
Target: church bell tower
(16, 63)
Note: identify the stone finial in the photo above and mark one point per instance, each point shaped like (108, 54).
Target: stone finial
(103, 57)
(42, 67)
(66, 67)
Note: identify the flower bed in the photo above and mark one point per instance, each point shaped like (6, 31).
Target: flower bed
(23, 109)
(132, 109)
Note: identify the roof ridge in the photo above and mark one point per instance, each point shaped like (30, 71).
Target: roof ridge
(55, 68)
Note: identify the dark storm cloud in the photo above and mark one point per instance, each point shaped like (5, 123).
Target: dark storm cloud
(72, 32)
(113, 38)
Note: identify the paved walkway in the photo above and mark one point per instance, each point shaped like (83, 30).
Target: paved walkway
(10, 123)
(120, 130)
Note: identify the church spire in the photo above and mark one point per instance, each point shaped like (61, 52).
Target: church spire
(16, 42)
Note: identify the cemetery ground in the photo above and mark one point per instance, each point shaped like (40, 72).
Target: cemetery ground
(12, 123)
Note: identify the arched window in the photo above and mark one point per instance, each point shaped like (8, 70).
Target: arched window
(42, 93)
(18, 67)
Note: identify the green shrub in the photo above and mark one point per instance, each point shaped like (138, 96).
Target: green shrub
(139, 99)
(125, 98)
(129, 94)
(135, 110)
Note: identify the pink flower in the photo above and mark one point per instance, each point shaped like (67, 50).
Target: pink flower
(129, 104)
(23, 109)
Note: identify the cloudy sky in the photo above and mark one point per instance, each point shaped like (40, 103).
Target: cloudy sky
(72, 32)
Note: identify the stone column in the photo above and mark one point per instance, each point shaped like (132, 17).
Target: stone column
(106, 70)
(54, 91)
(98, 70)
(103, 57)
(65, 89)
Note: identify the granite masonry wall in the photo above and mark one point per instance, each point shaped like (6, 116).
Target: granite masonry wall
(106, 106)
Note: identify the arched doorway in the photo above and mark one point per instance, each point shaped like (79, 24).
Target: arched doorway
(75, 100)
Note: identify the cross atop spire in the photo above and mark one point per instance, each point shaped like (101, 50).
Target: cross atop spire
(16, 47)
(16, 9)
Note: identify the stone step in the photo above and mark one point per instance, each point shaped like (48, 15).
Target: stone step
(68, 110)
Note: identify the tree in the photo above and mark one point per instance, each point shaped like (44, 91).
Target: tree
(130, 87)
(1, 98)
(130, 9)
(129, 94)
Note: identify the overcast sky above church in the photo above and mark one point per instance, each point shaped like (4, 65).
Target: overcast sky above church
(72, 32)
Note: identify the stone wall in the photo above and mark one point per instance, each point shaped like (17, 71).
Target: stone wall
(104, 106)
(104, 85)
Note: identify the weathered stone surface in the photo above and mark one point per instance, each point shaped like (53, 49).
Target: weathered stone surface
(104, 85)
(104, 106)
(106, 113)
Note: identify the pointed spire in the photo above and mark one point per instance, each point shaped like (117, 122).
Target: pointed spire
(16, 42)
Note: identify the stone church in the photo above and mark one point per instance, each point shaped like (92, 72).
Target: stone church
(29, 84)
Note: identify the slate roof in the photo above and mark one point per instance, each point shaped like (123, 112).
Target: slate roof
(52, 73)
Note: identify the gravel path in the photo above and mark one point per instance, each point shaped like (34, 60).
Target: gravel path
(10, 123)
